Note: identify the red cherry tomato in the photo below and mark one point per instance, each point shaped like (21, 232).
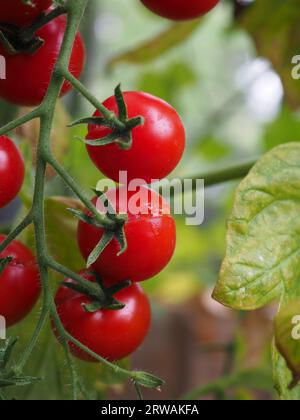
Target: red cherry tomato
(180, 9)
(28, 75)
(112, 334)
(15, 12)
(11, 170)
(19, 283)
(150, 233)
(157, 147)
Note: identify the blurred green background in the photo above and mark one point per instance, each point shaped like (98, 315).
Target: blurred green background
(229, 76)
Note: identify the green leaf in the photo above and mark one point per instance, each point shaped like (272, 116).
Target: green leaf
(263, 240)
(147, 380)
(150, 50)
(287, 337)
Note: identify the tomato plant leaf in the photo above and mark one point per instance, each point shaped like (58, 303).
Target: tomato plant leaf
(150, 50)
(287, 337)
(263, 240)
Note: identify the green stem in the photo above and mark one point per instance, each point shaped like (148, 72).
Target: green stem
(110, 116)
(72, 184)
(16, 232)
(20, 121)
(227, 173)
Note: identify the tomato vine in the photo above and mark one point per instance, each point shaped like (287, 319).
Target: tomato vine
(36, 216)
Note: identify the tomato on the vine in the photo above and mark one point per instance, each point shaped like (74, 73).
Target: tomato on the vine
(16, 12)
(19, 283)
(112, 334)
(28, 75)
(11, 170)
(157, 145)
(150, 232)
(180, 9)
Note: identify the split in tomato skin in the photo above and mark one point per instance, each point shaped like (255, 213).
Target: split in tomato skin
(112, 334)
(28, 75)
(19, 283)
(11, 171)
(180, 9)
(15, 12)
(157, 147)
(150, 232)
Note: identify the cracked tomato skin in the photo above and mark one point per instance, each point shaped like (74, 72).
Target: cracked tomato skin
(11, 171)
(112, 334)
(15, 12)
(180, 9)
(158, 144)
(28, 75)
(19, 283)
(150, 234)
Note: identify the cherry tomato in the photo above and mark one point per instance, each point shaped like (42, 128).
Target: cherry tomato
(157, 147)
(112, 334)
(11, 170)
(180, 9)
(150, 233)
(15, 12)
(28, 75)
(19, 283)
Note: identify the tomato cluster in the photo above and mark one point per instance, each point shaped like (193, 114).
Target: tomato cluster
(142, 219)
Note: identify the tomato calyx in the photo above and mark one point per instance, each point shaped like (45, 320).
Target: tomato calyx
(4, 262)
(101, 297)
(9, 376)
(121, 133)
(24, 39)
(111, 232)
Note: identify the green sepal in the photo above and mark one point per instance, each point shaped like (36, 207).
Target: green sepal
(4, 262)
(6, 351)
(147, 380)
(122, 107)
(93, 121)
(107, 237)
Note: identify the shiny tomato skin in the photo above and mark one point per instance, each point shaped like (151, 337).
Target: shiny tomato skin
(11, 171)
(28, 75)
(15, 12)
(180, 9)
(19, 283)
(151, 240)
(112, 334)
(157, 147)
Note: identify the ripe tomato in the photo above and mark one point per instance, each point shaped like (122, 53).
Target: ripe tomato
(11, 170)
(28, 75)
(157, 147)
(112, 334)
(180, 9)
(150, 233)
(15, 12)
(19, 283)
